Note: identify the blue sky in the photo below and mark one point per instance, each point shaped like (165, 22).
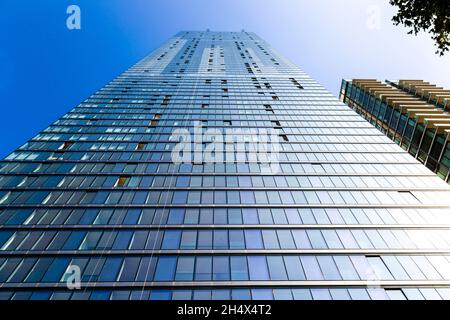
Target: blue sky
(46, 69)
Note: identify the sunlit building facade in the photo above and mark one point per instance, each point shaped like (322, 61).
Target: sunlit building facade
(95, 207)
(413, 113)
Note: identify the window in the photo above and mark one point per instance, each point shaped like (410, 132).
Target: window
(247, 197)
(221, 268)
(276, 268)
(311, 268)
(140, 197)
(328, 267)
(129, 269)
(233, 197)
(90, 241)
(100, 197)
(66, 145)
(165, 269)
(188, 240)
(270, 239)
(237, 239)
(185, 269)
(138, 241)
(180, 197)
(122, 240)
(74, 240)
(239, 270)
(395, 294)
(268, 108)
(194, 197)
(285, 238)
(171, 240)
(220, 197)
(176, 216)
(220, 239)
(203, 267)
(37, 269)
(192, 216)
(146, 269)
(253, 239)
(258, 268)
(346, 268)
(250, 216)
(183, 181)
(294, 268)
(141, 146)
(205, 239)
(121, 181)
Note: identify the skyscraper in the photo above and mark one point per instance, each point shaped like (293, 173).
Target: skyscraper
(413, 113)
(216, 169)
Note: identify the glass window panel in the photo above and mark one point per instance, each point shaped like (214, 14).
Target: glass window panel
(165, 269)
(340, 294)
(253, 239)
(302, 294)
(270, 239)
(294, 268)
(276, 268)
(285, 239)
(311, 268)
(258, 268)
(185, 269)
(205, 238)
(346, 268)
(171, 240)
(262, 294)
(220, 239)
(239, 270)
(221, 268)
(359, 294)
(282, 294)
(321, 294)
(328, 267)
(250, 216)
(203, 268)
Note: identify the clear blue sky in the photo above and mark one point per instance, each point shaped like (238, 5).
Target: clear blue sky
(45, 69)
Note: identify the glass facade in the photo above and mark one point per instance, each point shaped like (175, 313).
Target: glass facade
(95, 207)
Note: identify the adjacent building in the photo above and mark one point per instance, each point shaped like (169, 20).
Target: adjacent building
(97, 206)
(413, 113)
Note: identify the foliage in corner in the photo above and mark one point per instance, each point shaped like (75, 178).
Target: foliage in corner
(426, 15)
